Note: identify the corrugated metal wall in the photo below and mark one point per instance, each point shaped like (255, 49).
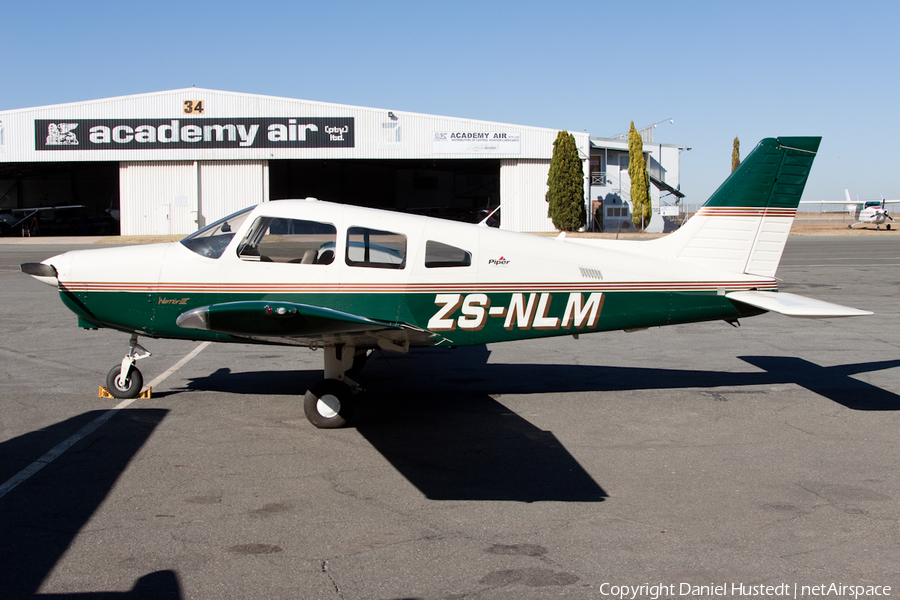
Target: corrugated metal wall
(523, 186)
(523, 190)
(157, 198)
(230, 185)
(178, 197)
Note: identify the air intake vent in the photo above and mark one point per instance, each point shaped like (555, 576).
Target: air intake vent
(590, 273)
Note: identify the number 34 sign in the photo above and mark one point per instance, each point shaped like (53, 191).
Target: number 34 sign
(193, 107)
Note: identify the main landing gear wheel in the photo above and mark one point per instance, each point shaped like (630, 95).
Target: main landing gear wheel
(130, 388)
(329, 404)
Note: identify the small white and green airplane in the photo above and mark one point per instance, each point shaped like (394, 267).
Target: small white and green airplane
(864, 212)
(349, 280)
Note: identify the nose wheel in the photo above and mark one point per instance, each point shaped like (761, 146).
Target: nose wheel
(124, 381)
(124, 387)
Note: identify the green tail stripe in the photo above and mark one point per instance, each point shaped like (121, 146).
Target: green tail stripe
(772, 176)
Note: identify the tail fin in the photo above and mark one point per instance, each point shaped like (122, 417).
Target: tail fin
(744, 225)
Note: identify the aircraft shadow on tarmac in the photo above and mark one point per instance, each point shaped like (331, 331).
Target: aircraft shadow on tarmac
(465, 369)
(464, 446)
(40, 517)
(439, 427)
(431, 415)
(429, 374)
(451, 445)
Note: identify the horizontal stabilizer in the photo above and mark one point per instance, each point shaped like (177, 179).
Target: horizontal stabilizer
(793, 305)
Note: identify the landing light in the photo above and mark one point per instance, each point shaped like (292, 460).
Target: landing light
(280, 311)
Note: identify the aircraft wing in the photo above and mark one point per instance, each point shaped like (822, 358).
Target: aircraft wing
(793, 305)
(303, 324)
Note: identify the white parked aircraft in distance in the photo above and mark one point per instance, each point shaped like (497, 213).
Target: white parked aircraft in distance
(865, 212)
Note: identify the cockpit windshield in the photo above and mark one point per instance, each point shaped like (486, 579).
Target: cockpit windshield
(212, 240)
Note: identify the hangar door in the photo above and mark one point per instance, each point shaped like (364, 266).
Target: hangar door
(87, 192)
(179, 197)
(463, 190)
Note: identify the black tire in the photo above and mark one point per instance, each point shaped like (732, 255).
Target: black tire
(133, 383)
(329, 404)
(888, 226)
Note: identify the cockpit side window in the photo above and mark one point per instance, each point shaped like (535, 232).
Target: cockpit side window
(440, 255)
(212, 240)
(375, 248)
(280, 240)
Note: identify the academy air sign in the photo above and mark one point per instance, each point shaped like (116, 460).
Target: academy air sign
(476, 142)
(165, 134)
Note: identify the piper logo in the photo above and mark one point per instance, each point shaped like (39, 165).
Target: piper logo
(499, 262)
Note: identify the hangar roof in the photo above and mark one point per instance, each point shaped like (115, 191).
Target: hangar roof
(203, 124)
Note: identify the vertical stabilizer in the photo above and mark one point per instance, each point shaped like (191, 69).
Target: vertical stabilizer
(744, 225)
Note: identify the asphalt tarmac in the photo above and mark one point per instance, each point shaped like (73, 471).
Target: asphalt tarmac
(695, 455)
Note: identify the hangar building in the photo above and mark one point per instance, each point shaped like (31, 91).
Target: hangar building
(171, 162)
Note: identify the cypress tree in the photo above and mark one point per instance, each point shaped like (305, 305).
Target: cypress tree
(565, 185)
(736, 155)
(640, 180)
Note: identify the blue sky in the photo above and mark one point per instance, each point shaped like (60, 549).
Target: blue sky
(720, 69)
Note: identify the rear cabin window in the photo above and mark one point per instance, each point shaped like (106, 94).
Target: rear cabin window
(375, 248)
(289, 241)
(438, 255)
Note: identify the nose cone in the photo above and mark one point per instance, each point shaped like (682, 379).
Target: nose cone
(46, 271)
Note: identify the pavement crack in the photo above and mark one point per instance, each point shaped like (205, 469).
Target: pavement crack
(334, 583)
(800, 429)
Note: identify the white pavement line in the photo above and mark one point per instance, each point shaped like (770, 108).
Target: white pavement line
(178, 365)
(85, 431)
